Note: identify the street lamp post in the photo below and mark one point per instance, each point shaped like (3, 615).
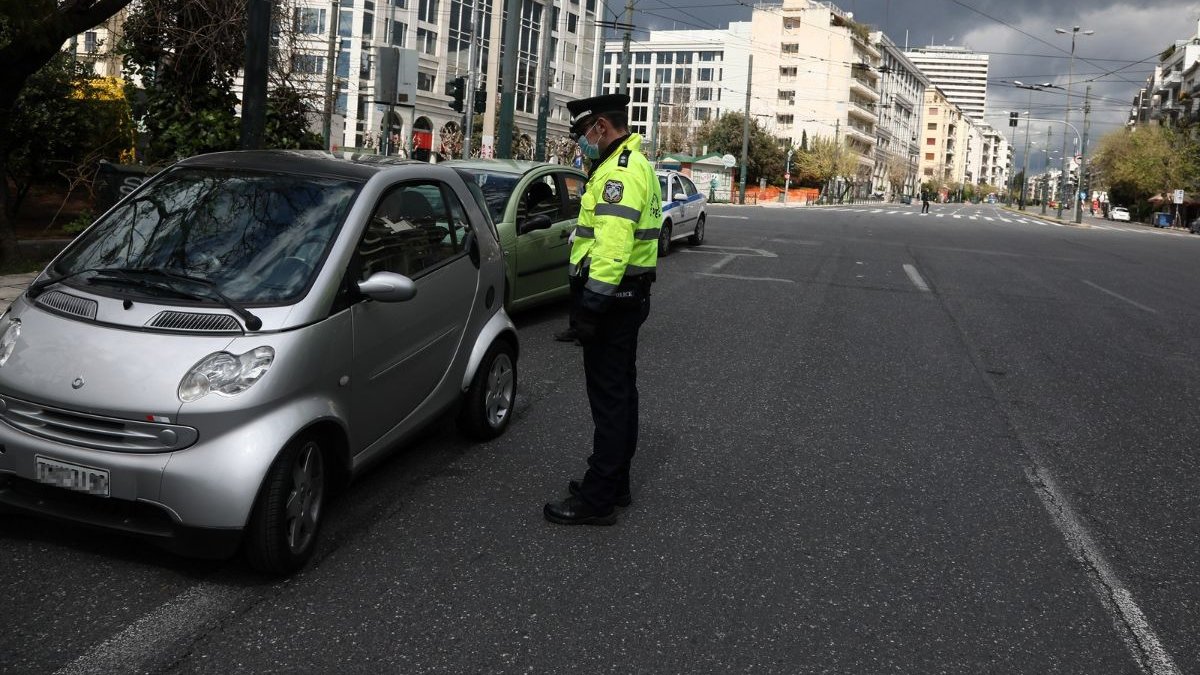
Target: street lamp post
(1074, 31)
(787, 175)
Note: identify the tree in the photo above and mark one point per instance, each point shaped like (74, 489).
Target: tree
(896, 172)
(32, 33)
(1137, 164)
(826, 161)
(767, 154)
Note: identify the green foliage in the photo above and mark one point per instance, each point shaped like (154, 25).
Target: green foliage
(1137, 164)
(187, 54)
(80, 223)
(767, 154)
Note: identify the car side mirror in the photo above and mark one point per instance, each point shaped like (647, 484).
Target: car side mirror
(388, 287)
(541, 221)
(680, 197)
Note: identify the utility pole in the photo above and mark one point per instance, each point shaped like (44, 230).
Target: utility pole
(508, 85)
(1087, 109)
(625, 48)
(787, 175)
(254, 80)
(473, 70)
(654, 126)
(837, 152)
(601, 58)
(539, 153)
(330, 66)
(1046, 169)
(746, 130)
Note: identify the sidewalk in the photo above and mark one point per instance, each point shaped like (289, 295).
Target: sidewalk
(12, 285)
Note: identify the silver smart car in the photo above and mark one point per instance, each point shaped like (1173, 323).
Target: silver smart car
(244, 332)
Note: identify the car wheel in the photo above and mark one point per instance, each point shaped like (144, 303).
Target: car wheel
(697, 237)
(488, 405)
(283, 528)
(664, 241)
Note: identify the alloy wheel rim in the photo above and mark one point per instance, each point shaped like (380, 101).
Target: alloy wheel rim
(498, 398)
(305, 498)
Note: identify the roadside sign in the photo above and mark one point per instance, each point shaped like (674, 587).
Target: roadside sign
(1178, 197)
(729, 161)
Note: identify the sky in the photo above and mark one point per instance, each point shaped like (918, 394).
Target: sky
(1020, 39)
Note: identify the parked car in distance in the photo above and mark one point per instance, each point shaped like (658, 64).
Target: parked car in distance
(683, 211)
(242, 333)
(535, 207)
(1119, 213)
(906, 199)
(1194, 225)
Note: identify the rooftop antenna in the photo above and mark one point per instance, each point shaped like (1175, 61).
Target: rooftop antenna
(905, 39)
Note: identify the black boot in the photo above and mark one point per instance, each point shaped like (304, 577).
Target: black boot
(575, 511)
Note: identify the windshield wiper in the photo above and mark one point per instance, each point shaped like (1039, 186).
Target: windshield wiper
(252, 322)
(131, 275)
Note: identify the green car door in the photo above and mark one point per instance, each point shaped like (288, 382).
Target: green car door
(547, 205)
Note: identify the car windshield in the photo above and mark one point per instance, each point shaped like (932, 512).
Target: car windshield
(662, 184)
(497, 188)
(258, 238)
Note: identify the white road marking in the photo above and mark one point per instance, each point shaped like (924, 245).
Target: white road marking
(725, 250)
(723, 262)
(1141, 639)
(940, 215)
(742, 278)
(182, 616)
(721, 215)
(915, 276)
(973, 217)
(1118, 296)
(957, 216)
(798, 242)
(989, 218)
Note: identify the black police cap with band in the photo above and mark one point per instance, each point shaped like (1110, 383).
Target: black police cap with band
(584, 109)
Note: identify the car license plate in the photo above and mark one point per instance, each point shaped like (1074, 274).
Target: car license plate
(72, 476)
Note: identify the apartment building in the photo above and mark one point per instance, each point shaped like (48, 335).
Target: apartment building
(816, 73)
(897, 133)
(679, 80)
(98, 46)
(995, 158)
(439, 32)
(960, 73)
(1169, 97)
(944, 140)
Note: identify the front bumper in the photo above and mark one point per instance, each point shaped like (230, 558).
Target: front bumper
(143, 520)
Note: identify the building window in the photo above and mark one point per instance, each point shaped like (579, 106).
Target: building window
(641, 76)
(683, 58)
(427, 11)
(930, 141)
(639, 113)
(90, 44)
(310, 21)
(642, 58)
(573, 23)
(425, 81)
(787, 73)
(345, 23)
(784, 120)
(702, 114)
(704, 75)
(664, 76)
(640, 94)
(666, 57)
(787, 96)
(929, 172)
(790, 48)
(427, 41)
(929, 156)
(343, 64)
(933, 111)
(309, 64)
(710, 56)
(569, 51)
(368, 25)
(932, 126)
(399, 34)
(703, 94)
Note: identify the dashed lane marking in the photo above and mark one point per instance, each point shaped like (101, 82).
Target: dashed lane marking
(1118, 296)
(915, 277)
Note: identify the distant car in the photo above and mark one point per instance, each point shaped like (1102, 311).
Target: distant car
(906, 199)
(1119, 213)
(683, 211)
(535, 207)
(243, 333)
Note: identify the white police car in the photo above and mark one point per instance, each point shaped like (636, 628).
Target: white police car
(683, 211)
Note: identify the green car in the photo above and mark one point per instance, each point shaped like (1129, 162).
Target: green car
(534, 206)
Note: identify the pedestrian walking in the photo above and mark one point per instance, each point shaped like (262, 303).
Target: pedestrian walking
(924, 202)
(613, 261)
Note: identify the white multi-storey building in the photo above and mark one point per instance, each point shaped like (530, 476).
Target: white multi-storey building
(960, 73)
(680, 79)
(901, 107)
(438, 30)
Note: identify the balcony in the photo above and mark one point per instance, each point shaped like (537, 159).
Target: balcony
(863, 88)
(864, 136)
(863, 110)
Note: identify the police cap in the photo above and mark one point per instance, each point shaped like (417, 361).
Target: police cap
(583, 110)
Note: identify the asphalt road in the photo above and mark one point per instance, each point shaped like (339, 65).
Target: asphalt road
(872, 441)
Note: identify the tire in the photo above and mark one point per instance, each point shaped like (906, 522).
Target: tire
(488, 404)
(697, 237)
(283, 528)
(664, 240)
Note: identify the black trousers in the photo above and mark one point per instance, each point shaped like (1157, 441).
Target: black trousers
(610, 366)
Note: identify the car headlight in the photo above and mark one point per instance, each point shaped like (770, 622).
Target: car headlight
(225, 374)
(8, 341)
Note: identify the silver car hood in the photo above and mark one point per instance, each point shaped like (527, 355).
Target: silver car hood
(99, 368)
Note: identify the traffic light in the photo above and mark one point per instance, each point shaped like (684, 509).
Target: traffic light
(1012, 118)
(481, 101)
(456, 89)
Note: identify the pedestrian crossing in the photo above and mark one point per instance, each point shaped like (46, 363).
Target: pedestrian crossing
(994, 217)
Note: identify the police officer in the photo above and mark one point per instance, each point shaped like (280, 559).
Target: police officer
(613, 262)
